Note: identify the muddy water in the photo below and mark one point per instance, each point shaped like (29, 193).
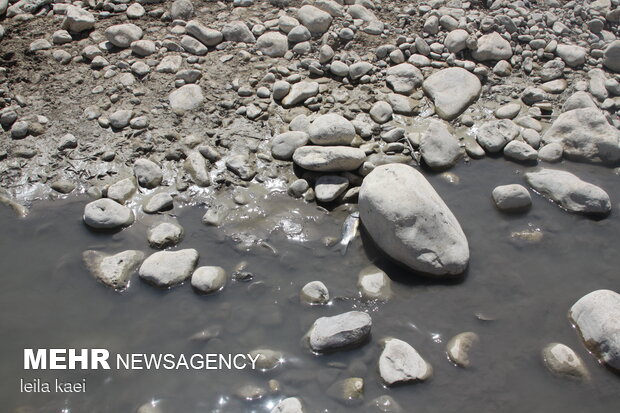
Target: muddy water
(521, 290)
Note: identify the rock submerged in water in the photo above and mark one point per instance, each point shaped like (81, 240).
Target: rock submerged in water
(168, 268)
(340, 332)
(289, 405)
(563, 361)
(113, 270)
(401, 363)
(374, 284)
(459, 346)
(410, 222)
(107, 214)
(570, 192)
(597, 318)
(314, 293)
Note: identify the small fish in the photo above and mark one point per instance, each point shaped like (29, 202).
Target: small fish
(349, 230)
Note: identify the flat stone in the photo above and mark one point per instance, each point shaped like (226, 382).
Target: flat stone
(272, 44)
(404, 78)
(492, 47)
(314, 293)
(572, 55)
(331, 129)
(374, 284)
(330, 187)
(208, 37)
(169, 268)
(520, 151)
(148, 173)
(611, 57)
(122, 35)
(237, 31)
(196, 167)
(77, 19)
(329, 158)
(459, 347)
(121, 191)
(288, 405)
(158, 203)
(300, 92)
(188, 97)
(316, 20)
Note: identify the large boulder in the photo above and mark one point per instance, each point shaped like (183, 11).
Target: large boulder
(340, 332)
(586, 136)
(597, 318)
(168, 268)
(410, 222)
(492, 47)
(107, 214)
(570, 192)
(331, 129)
(329, 158)
(452, 90)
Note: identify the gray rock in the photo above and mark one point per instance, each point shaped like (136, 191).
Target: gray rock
(331, 129)
(597, 318)
(148, 173)
(452, 90)
(113, 270)
(508, 111)
(135, 11)
(402, 105)
(492, 47)
(288, 405)
(120, 119)
(165, 234)
(562, 361)
(272, 44)
(552, 152)
(409, 221)
(185, 98)
(339, 68)
(340, 332)
(572, 55)
(209, 279)
(193, 46)
(237, 31)
(585, 136)
(329, 158)
(241, 166)
(196, 167)
(511, 197)
(300, 92)
(168, 268)
(182, 10)
(122, 35)
(459, 347)
(520, 151)
(381, 112)
(316, 20)
(438, 147)
(162, 201)
(208, 37)
(143, 48)
(284, 145)
(456, 40)
(404, 78)
(494, 135)
(349, 391)
(570, 192)
(107, 214)
(314, 293)
(359, 69)
(280, 89)
(374, 284)
(330, 187)
(299, 34)
(384, 404)
(77, 19)
(121, 191)
(579, 100)
(169, 64)
(611, 58)
(553, 69)
(401, 363)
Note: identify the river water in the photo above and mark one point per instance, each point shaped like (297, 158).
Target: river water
(515, 296)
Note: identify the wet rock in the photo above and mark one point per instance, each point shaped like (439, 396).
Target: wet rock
(122, 35)
(570, 192)
(520, 151)
(289, 405)
(284, 145)
(208, 37)
(597, 318)
(188, 97)
(339, 332)
(562, 361)
(315, 292)
(215, 216)
(349, 391)
(330, 187)
(272, 44)
(148, 173)
(438, 147)
(492, 47)
(209, 279)
(404, 78)
(585, 136)
(77, 19)
(196, 167)
(401, 363)
(384, 404)
(511, 198)
(493, 136)
(250, 392)
(300, 92)
(6, 200)
(459, 346)
(168, 268)
(374, 284)
(113, 270)
(237, 31)
(158, 203)
(331, 129)
(572, 55)
(611, 58)
(267, 359)
(329, 158)
(107, 214)
(452, 91)
(409, 221)
(165, 234)
(316, 20)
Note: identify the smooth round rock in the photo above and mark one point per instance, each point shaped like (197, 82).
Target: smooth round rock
(107, 214)
(169, 268)
(315, 292)
(511, 198)
(562, 361)
(459, 346)
(209, 279)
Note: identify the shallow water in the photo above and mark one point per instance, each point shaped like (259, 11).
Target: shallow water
(48, 299)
